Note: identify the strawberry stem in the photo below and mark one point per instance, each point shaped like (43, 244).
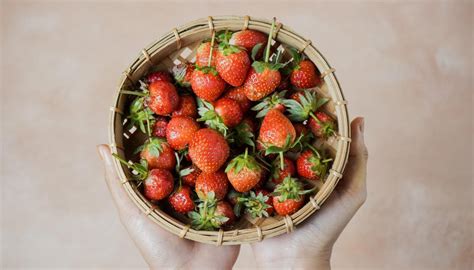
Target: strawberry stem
(147, 123)
(134, 93)
(269, 42)
(213, 38)
(282, 164)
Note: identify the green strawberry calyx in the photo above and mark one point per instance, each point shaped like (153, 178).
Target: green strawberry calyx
(272, 149)
(309, 103)
(255, 205)
(140, 115)
(243, 161)
(154, 146)
(205, 218)
(320, 163)
(207, 70)
(327, 128)
(140, 170)
(242, 135)
(290, 188)
(297, 58)
(210, 117)
(224, 46)
(269, 103)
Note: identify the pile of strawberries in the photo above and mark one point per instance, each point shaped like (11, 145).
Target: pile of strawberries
(230, 135)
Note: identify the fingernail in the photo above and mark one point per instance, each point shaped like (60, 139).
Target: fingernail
(104, 153)
(97, 147)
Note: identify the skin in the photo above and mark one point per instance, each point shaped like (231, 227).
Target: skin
(309, 247)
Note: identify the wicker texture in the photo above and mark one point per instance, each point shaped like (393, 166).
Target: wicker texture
(178, 46)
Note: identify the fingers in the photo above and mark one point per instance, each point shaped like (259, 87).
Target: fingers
(123, 203)
(354, 180)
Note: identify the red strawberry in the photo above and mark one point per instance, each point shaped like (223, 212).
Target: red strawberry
(181, 200)
(190, 179)
(187, 107)
(158, 185)
(300, 129)
(182, 74)
(322, 125)
(208, 150)
(202, 55)
(230, 111)
(180, 131)
(290, 196)
(232, 64)
(158, 76)
(216, 182)
(163, 97)
(244, 172)
(276, 130)
(207, 84)
(158, 154)
(238, 94)
(311, 165)
(279, 174)
(248, 39)
(305, 75)
(223, 208)
(159, 128)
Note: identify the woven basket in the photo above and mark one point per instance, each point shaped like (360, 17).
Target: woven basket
(179, 46)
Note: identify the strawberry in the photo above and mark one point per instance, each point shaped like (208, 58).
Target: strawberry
(278, 174)
(158, 185)
(238, 94)
(224, 209)
(263, 77)
(277, 134)
(207, 84)
(215, 182)
(181, 200)
(243, 172)
(289, 196)
(233, 197)
(159, 128)
(186, 107)
(232, 63)
(274, 101)
(190, 178)
(302, 104)
(248, 39)
(182, 74)
(244, 133)
(208, 150)
(284, 84)
(158, 76)
(180, 131)
(229, 111)
(163, 97)
(304, 73)
(311, 164)
(257, 204)
(140, 115)
(322, 125)
(301, 130)
(158, 154)
(203, 54)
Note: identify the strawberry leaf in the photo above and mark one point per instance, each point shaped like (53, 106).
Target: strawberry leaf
(255, 50)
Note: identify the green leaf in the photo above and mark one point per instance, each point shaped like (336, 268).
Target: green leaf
(255, 50)
(259, 66)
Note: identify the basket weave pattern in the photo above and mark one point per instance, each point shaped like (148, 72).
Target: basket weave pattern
(178, 46)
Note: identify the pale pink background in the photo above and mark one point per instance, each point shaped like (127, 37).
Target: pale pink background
(406, 67)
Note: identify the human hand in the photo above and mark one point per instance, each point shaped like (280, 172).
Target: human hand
(159, 248)
(311, 245)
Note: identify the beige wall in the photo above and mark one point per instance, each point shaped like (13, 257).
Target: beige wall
(407, 68)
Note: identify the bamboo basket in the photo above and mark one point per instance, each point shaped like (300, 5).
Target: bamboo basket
(178, 46)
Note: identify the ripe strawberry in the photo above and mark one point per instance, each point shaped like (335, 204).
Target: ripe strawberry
(322, 125)
(216, 182)
(238, 94)
(229, 111)
(248, 39)
(208, 150)
(289, 196)
(223, 208)
(158, 185)
(276, 130)
(158, 76)
(190, 179)
(263, 77)
(301, 130)
(304, 73)
(182, 74)
(180, 131)
(275, 101)
(244, 172)
(159, 128)
(279, 174)
(232, 64)
(181, 200)
(158, 154)
(207, 84)
(163, 97)
(311, 165)
(187, 107)
(202, 55)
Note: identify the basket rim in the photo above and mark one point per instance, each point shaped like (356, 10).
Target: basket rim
(258, 233)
